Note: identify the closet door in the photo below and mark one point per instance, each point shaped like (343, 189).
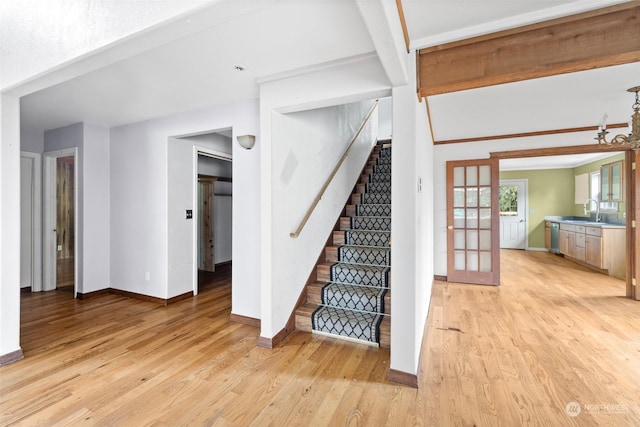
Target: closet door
(205, 226)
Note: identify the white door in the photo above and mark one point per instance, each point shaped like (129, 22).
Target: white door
(513, 214)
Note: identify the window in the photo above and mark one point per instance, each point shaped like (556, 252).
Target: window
(508, 200)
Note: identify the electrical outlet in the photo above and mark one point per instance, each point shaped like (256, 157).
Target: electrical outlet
(147, 276)
(59, 248)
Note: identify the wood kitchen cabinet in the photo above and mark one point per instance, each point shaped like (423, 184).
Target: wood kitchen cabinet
(547, 234)
(580, 251)
(602, 247)
(567, 243)
(593, 251)
(612, 182)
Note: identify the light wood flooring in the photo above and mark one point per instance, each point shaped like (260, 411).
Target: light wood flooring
(517, 354)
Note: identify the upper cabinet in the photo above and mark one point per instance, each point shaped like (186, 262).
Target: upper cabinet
(612, 182)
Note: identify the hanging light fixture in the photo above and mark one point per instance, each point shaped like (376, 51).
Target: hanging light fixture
(633, 139)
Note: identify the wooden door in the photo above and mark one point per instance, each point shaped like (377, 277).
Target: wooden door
(473, 227)
(206, 192)
(65, 221)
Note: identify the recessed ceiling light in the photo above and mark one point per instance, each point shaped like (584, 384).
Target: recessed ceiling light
(239, 67)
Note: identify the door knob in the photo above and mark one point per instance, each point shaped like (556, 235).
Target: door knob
(450, 227)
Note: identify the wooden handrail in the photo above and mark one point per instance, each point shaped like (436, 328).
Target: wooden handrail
(315, 202)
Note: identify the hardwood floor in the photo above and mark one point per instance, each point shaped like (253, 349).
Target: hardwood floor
(517, 354)
(65, 272)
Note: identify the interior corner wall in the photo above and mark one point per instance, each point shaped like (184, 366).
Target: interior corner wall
(479, 150)
(72, 136)
(9, 224)
(31, 140)
(95, 200)
(295, 147)
(139, 204)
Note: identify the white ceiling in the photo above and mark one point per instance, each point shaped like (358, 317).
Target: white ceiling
(433, 22)
(197, 69)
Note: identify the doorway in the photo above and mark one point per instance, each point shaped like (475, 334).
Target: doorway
(213, 215)
(60, 205)
(566, 186)
(513, 214)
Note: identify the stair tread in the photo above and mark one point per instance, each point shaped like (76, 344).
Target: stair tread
(357, 259)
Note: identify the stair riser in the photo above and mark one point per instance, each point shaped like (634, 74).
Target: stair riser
(370, 210)
(373, 238)
(323, 274)
(359, 255)
(376, 198)
(314, 296)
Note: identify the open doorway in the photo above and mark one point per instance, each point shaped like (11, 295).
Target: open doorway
(576, 212)
(60, 206)
(213, 218)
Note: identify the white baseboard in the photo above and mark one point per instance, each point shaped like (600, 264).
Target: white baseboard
(538, 249)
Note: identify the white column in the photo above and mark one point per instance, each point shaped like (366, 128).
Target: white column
(9, 228)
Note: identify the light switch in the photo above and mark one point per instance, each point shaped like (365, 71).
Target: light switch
(189, 214)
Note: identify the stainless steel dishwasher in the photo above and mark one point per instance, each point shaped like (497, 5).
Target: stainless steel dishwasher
(554, 228)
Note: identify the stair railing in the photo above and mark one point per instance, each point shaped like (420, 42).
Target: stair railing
(335, 170)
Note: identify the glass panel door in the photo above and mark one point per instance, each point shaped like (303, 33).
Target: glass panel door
(472, 212)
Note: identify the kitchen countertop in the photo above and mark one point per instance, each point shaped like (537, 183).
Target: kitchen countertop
(582, 221)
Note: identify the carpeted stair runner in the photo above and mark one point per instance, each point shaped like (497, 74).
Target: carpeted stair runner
(352, 302)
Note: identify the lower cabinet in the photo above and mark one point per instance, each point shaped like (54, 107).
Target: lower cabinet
(567, 243)
(600, 247)
(580, 245)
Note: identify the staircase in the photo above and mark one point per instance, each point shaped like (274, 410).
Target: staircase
(350, 297)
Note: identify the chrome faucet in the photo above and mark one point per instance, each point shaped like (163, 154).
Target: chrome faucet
(598, 219)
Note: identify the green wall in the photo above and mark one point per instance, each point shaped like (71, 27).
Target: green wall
(551, 192)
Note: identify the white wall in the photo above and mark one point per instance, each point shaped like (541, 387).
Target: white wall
(31, 140)
(95, 207)
(480, 150)
(150, 234)
(9, 224)
(385, 118)
(411, 225)
(216, 167)
(289, 144)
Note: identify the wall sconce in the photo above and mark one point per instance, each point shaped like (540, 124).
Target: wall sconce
(246, 141)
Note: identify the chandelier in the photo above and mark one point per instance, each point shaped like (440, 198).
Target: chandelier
(627, 141)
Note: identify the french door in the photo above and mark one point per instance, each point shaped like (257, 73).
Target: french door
(473, 238)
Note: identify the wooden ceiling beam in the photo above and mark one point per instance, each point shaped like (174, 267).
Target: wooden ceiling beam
(600, 38)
